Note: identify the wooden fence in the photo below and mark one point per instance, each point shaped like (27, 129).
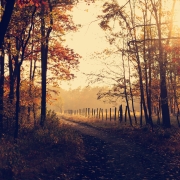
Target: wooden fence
(115, 113)
(100, 113)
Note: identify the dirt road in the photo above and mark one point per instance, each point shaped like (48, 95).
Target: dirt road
(117, 158)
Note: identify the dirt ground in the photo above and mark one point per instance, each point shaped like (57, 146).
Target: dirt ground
(108, 155)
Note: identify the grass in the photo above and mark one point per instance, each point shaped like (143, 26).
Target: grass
(40, 153)
(95, 122)
(99, 122)
(160, 140)
(49, 153)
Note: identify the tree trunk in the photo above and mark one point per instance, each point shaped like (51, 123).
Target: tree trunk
(175, 98)
(141, 86)
(131, 94)
(125, 116)
(43, 84)
(141, 111)
(34, 113)
(139, 66)
(159, 113)
(12, 76)
(44, 56)
(120, 113)
(17, 101)
(6, 19)
(147, 88)
(149, 102)
(30, 87)
(163, 90)
(43, 68)
(1, 90)
(162, 67)
(125, 91)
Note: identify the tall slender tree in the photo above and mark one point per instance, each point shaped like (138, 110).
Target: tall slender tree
(8, 6)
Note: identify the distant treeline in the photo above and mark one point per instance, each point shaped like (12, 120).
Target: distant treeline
(83, 97)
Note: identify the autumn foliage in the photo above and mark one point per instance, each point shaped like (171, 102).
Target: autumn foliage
(23, 46)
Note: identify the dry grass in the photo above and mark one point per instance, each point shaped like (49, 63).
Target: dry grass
(40, 153)
(161, 140)
(166, 141)
(94, 121)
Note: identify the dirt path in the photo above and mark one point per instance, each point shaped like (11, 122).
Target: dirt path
(116, 158)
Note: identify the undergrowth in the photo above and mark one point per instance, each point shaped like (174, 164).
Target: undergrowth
(160, 140)
(40, 153)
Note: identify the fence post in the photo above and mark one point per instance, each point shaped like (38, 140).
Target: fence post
(115, 114)
(102, 113)
(106, 114)
(88, 112)
(126, 114)
(99, 113)
(120, 113)
(94, 113)
(110, 114)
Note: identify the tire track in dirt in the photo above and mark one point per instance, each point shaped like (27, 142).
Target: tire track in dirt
(111, 157)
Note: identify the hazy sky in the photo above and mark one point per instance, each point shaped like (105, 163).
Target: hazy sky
(90, 38)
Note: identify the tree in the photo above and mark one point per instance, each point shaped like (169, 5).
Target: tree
(162, 59)
(25, 41)
(46, 28)
(146, 47)
(21, 46)
(8, 6)
(5, 18)
(1, 90)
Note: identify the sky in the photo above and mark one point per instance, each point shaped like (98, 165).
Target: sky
(90, 38)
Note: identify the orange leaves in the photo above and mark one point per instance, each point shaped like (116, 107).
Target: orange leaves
(173, 48)
(61, 61)
(29, 95)
(174, 52)
(62, 21)
(174, 60)
(36, 3)
(56, 50)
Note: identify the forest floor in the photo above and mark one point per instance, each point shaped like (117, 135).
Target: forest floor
(92, 150)
(126, 153)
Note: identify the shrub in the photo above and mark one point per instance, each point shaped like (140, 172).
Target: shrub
(51, 148)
